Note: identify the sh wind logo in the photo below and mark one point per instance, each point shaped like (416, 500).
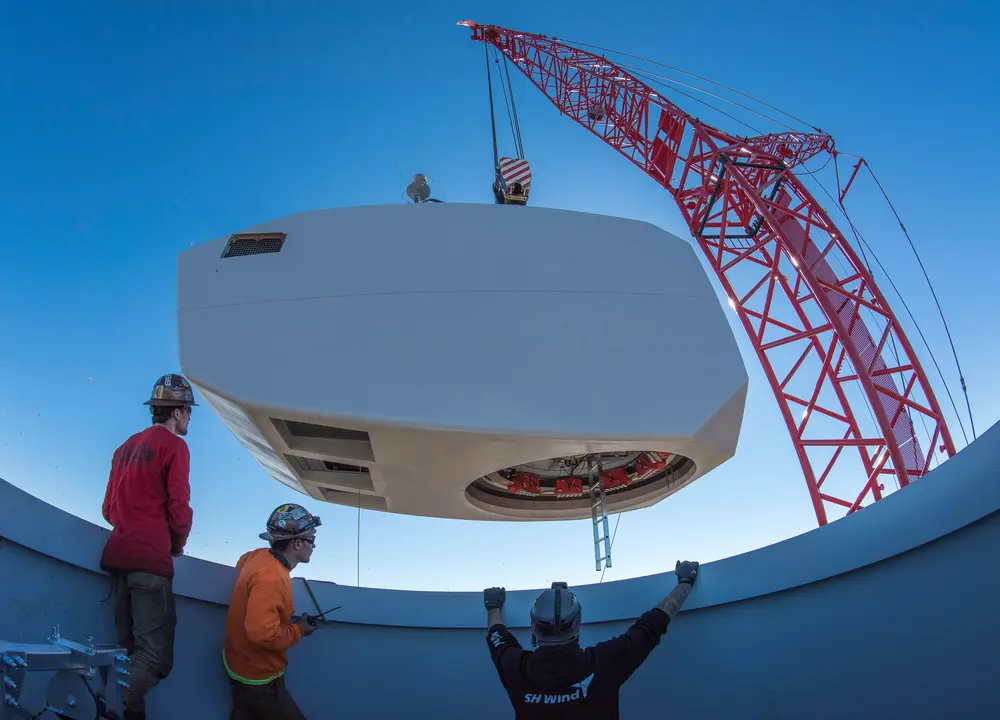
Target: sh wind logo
(578, 692)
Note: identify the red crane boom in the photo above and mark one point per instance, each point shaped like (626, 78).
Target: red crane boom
(830, 346)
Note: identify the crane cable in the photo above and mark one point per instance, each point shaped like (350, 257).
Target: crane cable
(517, 124)
(507, 88)
(493, 120)
(863, 243)
(665, 79)
(649, 78)
(697, 77)
(652, 77)
(930, 285)
(662, 80)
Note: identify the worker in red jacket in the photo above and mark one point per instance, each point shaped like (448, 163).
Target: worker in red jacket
(147, 503)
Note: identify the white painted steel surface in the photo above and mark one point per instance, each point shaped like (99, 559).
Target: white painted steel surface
(461, 339)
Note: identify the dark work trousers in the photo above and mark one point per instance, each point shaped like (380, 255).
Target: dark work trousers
(263, 702)
(145, 619)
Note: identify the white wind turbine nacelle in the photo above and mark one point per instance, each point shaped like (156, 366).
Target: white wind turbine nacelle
(464, 361)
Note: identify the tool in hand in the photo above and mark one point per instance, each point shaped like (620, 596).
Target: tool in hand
(311, 619)
(317, 617)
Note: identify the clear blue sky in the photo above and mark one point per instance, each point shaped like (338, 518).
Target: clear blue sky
(132, 130)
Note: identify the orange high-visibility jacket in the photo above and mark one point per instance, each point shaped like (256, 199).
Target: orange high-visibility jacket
(258, 627)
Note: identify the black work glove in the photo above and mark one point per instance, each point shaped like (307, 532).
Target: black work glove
(687, 571)
(494, 597)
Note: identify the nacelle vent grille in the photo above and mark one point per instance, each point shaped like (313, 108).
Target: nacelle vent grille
(241, 244)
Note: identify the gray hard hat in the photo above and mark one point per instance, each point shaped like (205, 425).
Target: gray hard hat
(555, 616)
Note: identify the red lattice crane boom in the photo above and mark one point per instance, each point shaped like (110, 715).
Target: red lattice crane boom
(830, 346)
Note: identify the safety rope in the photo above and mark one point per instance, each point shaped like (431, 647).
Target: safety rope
(359, 536)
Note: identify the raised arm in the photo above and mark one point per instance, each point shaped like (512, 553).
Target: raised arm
(687, 573)
(505, 650)
(621, 656)
(494, 599)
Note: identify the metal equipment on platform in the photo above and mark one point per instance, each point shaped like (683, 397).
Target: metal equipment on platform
(70, 692)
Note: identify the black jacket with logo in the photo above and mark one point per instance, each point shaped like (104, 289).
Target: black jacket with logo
(567, 681)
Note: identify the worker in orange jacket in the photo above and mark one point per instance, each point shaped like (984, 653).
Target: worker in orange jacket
(259, 626)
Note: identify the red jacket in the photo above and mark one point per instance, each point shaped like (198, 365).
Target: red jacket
(147, 502)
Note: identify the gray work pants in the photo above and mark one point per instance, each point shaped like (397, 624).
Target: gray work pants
(263, 702)
(145, 619)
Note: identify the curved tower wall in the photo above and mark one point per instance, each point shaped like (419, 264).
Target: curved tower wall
(891, 612)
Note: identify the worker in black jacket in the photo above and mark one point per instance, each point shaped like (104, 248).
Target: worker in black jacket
(560, 679)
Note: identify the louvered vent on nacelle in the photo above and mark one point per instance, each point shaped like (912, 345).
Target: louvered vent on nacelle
(241, 244)
(312, 465)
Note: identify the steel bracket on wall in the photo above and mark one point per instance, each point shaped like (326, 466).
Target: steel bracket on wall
(70, 692)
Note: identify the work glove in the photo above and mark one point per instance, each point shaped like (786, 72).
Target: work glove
(494, 597)
(687, 571)
(307, 625)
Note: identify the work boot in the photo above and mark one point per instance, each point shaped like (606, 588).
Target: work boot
(131, 714)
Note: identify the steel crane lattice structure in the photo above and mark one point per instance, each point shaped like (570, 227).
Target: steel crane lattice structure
(830, 346)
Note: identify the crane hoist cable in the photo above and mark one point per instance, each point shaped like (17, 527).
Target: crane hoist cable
(493, 117)
(888, 378)
(512, 175)
(508, 90)
(654, 77)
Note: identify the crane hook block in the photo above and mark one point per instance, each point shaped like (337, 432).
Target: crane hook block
(513, 182)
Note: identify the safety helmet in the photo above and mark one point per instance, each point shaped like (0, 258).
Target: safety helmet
(555, 616)
(171, 391)
(289, 521)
